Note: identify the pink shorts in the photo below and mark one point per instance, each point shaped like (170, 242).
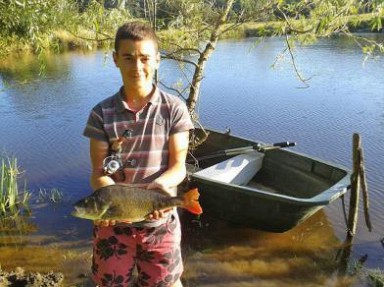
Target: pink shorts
(154, 251)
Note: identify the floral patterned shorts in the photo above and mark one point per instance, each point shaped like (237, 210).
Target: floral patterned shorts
(155, 252)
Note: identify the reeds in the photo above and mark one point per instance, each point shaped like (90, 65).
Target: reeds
(53, 195)
(11, 200)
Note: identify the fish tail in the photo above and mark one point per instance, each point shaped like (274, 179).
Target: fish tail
(191, 203)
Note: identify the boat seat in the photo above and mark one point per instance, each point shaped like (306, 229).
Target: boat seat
(238, 170)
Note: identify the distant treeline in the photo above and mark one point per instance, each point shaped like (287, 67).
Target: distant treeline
(166, 9)
(61, 24)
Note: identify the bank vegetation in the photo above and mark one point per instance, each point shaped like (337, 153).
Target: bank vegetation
(38, 26)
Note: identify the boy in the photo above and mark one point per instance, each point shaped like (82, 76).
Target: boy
(149, 131)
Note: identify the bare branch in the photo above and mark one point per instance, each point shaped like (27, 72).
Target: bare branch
(291, 28)
(304, 81)
(231, 27)
(183, 49)
(174, 55)
(179, 59)
(91, 39)
(180, 94)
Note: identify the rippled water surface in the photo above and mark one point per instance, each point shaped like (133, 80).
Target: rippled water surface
(42, 120)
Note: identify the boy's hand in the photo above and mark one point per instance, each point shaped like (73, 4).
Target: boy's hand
(104, 223)
(157, 214)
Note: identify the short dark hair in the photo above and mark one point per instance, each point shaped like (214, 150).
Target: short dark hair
(136, 31)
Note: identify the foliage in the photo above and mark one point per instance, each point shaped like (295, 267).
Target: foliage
(38, 24)
(300, 21)
(97, 25)
(10, 198)
(33, 23)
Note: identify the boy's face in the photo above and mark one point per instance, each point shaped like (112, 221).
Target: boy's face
(137, 61)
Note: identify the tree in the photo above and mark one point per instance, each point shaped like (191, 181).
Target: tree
(204, 22)
(193, 27)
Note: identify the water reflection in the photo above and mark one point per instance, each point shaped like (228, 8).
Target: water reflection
(37, 255)
(12, 227)
(26, 68)
(215, 254)
(26, 244)
(222, 255)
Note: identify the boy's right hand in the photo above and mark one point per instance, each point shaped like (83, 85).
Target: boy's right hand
(104, 223)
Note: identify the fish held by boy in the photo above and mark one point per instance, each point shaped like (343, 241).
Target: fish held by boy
(133, 204)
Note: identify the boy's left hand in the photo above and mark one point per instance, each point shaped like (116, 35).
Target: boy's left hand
(157, 214)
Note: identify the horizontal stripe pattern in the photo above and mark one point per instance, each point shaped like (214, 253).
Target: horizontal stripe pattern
(145, 152)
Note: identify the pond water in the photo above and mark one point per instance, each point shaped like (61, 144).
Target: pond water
(42, 119)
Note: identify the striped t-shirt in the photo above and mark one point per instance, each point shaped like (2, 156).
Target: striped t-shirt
(145, 148)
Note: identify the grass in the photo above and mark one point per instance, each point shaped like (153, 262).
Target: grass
(53, 195)
(376, 278)
(11, 199)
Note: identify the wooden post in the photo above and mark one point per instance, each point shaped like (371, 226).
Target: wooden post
(343, 255)
(364, 189)
(355, 182)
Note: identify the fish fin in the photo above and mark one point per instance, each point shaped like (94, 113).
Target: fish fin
(191, 203)
(104, 211)
(111, 212)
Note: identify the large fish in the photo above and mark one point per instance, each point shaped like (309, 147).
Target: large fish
(124, 202)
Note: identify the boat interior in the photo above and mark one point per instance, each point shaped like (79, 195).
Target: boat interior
(275, 171)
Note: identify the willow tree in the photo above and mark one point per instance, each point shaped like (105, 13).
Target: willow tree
(199, 26)
(192, 27)
(201, 23)
(41, 26)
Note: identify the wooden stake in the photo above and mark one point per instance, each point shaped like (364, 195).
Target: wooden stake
(355, 182)
(364, 189)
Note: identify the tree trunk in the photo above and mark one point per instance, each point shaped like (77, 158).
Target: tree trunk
(121, 4)
(204, 56)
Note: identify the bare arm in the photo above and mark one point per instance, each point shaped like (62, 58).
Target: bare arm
(176, 172)
(98, 152)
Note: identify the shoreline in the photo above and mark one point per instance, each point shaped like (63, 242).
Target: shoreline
(19, 277)
(83, 42)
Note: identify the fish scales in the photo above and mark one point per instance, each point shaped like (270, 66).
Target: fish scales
(124, 202)
(134, 203)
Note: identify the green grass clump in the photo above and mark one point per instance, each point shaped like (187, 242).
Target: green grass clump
(11, 199)
(376, 278)
(53, 195)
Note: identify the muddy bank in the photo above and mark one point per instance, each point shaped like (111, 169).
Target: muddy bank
(20, 278)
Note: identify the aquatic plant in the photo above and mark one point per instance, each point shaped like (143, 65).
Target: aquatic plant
(53, 195)
(11, 199)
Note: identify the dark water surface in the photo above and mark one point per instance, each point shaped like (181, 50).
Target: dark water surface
(42, 121)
